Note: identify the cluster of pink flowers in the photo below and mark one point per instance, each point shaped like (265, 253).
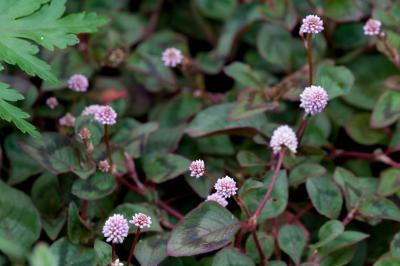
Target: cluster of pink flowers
(313, 99)
(283, 136)
(91, 109)
(116, 229)
(197, 168)
(226, 187)
(104, 166)
(218, 199)
(52, 102)
(372, 27)
(103, 114)
(172, 57)
(312, 24)
(68, 120)
(141, 220)
(78, 83)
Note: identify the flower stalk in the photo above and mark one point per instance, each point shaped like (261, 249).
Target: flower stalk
(132, 251)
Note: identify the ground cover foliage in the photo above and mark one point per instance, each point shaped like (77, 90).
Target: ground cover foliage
(220, 132)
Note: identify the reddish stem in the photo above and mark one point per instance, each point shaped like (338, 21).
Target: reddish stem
(381, 157)
(271, 186)
(351, 215)
(133, 246)
(112, 253)
(258, 246)
(108, 147)
(309, 58)
(85, 204)
(302, 129)
(170, 210)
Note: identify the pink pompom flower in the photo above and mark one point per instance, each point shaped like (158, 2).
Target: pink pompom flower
(313, 99)
(117, 263)
(372, 27)
(104, 166)
(312, 24)
(116, 229)
(283, 136)
(218, 199)
(52, 102)
(141, 220)
(91, 109)
(197, 168)
(172, 57)
(226, 187)
(105, 115)
(78, 83)
(67, 120)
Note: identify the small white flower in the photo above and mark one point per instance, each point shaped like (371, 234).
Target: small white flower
(313, 99)
(218, 199)
(283, 136)
(197, 168)
(226, 187)
(172, 57)
(372, 27)
(312, 24)
(117, 263)
(141, 220)
(116, 229)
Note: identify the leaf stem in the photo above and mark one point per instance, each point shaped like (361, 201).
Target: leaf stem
(308, 45)
(112, 253)
(108, 147)
(85, 204)
(133, 246)
(271, 186)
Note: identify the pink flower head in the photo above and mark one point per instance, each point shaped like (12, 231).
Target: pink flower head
(52, 102)
(91, 109)
(197, 168)
(104, 166)
(172, 57)
(312, 24)
(283, 136)
(117, 263)
(67, 120)
(105, 115)
(141, 220)
(372, 27)
(78, 83)
(116, 229)
(313, 99)
(226, 187)
(84, 134)
(218, 199)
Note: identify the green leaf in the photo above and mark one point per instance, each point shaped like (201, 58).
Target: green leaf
(336, 80)
(22, 166)
(274, 44)
(252, 193)
(95, 187)
(19, 219)
(245, 75)
(206, 228)
(40, 22)
(328, 232)
(339, 258)
(231, 257)
(380, 208)
(359, 129)
(251, 102)
(292, 241)
(78, 231)
(214, 120)
(103, 252)
(129, 209)
(165, 167)
(55, 153)
(325, 196)
(216, 9)
(41, 256)
(395, 246)
(346, 239)
(46, 194)
(388, 261)
(151, 251)
(343, 10)
(71, 254)
(12, 113)
(389, 182)
(267, 245)
(303, 171)
(386, 110)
